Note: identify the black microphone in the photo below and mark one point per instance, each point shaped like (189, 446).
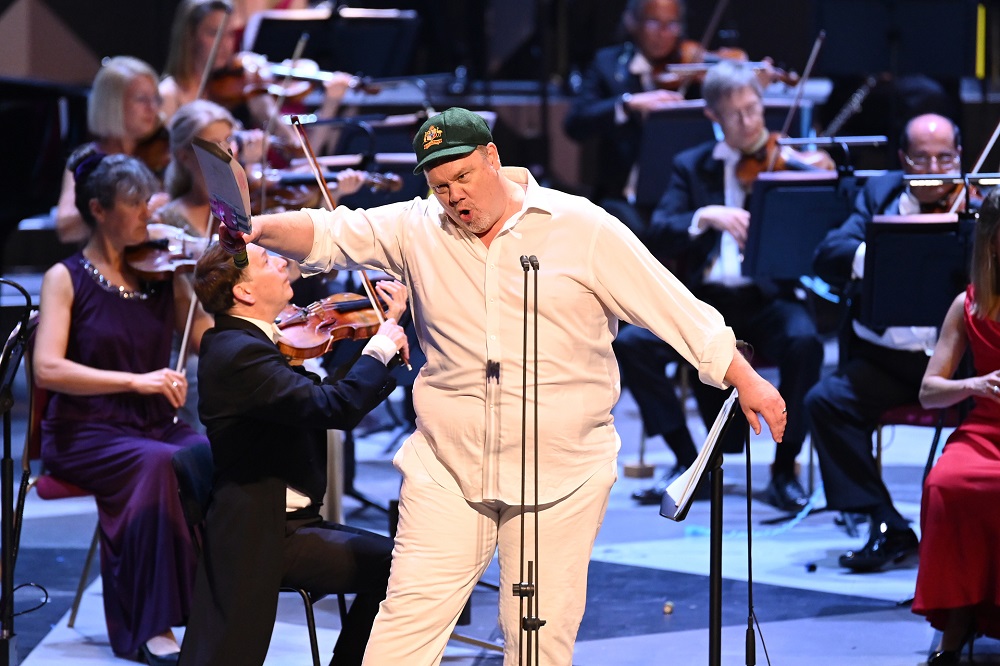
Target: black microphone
(533, 260)
(525, 262)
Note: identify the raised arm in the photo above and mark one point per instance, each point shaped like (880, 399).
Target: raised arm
(290, 234)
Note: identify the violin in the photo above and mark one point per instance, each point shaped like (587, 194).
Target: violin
(156, 260)
(773, 157)
(248, 75)
(310, 331)
(154, 150)
(696, 61)
(293, 189)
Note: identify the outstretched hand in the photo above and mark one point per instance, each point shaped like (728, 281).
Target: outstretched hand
(758, 398)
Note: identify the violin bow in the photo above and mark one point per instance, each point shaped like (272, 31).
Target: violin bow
(713, 25)
(800, 89)
(300, 47)
(328, 200)
(182, 354)
(207, 70)
(975, 169)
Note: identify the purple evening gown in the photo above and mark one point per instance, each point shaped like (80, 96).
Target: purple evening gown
(118, 447)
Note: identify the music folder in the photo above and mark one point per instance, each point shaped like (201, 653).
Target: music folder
(677, 499)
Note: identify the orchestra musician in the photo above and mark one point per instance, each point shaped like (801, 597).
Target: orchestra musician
(619, 89)
(263, 528)
(102, 348)
(701, 221)
(460, 500)
(880, 369)
(196, 23)
(123, 109)
(957, 571)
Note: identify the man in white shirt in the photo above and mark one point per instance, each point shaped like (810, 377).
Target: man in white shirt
(460, 255)
(881, 369)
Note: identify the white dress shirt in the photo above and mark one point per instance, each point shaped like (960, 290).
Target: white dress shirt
(727, 266)
(468, 310)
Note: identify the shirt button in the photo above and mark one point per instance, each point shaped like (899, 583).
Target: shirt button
(493, 337)
(493, 266)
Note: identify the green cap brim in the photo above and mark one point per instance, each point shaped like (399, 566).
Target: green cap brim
(443, 154)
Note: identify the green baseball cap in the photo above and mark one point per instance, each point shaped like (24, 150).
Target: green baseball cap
(452, 133)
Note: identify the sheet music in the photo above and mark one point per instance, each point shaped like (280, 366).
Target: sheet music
(229, 192)
(679, 493)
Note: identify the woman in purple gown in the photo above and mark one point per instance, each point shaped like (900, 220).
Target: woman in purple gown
(102, 349)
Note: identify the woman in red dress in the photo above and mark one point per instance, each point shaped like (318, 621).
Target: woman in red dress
(958, 581)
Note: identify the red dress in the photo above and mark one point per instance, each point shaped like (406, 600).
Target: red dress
(960, 527)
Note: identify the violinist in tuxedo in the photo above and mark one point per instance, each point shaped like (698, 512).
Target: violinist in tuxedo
(700, 221)
(881, 369)
(266, 422)
(619, 88)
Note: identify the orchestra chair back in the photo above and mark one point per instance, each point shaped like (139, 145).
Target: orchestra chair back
(47, 486)
(194, 468)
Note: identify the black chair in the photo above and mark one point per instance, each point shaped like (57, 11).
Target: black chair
(194, 469)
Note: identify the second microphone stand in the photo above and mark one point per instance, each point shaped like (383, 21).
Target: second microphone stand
(527, 589)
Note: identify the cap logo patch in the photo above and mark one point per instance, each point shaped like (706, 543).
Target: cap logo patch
(432, 137)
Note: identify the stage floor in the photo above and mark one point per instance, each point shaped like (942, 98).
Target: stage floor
(820, 617)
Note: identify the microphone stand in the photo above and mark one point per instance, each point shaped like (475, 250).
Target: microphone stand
(9, 363)
(527, 589)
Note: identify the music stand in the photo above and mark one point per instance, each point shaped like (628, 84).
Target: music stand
(790, 214)
(275, 33)
(676, 502)
(915, 265)
(664, 134)
(897, 36)
(375, 42)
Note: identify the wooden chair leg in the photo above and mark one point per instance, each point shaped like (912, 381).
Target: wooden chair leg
(82, 585)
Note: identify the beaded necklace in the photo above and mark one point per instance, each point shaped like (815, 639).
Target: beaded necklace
(122, 292)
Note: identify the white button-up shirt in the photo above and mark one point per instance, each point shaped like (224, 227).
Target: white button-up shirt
(468, 310)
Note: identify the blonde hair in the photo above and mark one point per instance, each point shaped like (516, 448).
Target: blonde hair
(189, 15)
(985, 271)
(189, 120)
(106, 104)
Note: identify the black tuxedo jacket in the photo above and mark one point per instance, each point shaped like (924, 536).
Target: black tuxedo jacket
(835, 254)
(593, 115)
(266, 422)
(696, 180)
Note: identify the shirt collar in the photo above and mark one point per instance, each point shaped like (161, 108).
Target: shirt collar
(268, 327)
(726, 153)
(639, 66)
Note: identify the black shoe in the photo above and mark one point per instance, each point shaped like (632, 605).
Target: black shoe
(654, 495)
(147, 657)
(885, 546)
(944, 658)
(786, 493)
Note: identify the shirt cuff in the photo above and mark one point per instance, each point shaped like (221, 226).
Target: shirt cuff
(381, 348)
(694, 230)
(621, 113)
(858, 265)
